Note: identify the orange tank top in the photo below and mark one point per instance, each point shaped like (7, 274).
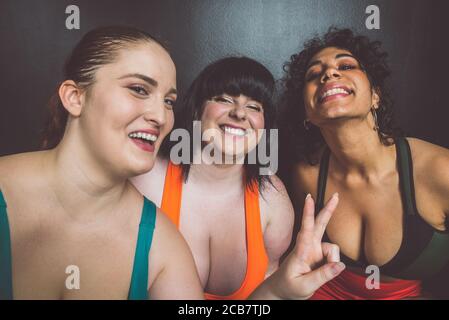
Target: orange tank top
(257, 259)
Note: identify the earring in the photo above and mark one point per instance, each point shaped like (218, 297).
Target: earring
(306, 124)
(374, 113)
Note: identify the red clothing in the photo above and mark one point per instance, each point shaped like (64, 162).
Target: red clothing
(351, 286)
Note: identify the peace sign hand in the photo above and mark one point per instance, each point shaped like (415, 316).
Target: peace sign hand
(311, 263)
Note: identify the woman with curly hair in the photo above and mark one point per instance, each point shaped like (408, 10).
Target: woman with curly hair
(393, 190)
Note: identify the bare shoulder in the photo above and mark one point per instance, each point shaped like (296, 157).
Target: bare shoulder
(174, 274)
(166, 239)
(19, 169)
(151, 184)
(274, 193)
(431, 174)
(276, 203)
(430, 162)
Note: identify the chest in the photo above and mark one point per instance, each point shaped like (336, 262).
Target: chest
(214, 226)
(369, 220)
(52, 259)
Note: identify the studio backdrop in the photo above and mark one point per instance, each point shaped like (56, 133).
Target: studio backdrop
(37, 35)
(35, 41)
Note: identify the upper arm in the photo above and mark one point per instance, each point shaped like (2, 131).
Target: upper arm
(439, 178)
(174, 273)
(278, 233)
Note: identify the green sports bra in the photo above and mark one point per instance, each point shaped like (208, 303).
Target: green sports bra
(139, 278)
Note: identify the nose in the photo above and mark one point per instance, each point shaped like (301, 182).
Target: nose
(155, 113)
(330, 73)
(238, 112)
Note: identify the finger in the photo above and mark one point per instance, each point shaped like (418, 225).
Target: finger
(308, 214)
(306, 233)
(331, 252)
(324, 216)
(312, 281)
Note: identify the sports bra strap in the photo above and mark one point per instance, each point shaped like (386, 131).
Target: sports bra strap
(5, 254)
(322, 179)
(405, 169)
(139, 280)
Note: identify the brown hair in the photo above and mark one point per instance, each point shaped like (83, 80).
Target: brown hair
(97, 48)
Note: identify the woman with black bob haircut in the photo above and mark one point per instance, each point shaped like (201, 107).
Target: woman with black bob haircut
(237, 236)
(237, 76)
(338, 135)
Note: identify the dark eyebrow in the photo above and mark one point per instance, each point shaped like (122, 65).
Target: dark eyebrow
(338, 56)
(147, 79)
(343, 55)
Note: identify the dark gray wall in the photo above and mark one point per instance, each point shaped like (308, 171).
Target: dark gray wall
(35, 43)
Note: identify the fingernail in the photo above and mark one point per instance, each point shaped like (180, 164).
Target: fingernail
(338, 267)
(336, 195)
(308, 196)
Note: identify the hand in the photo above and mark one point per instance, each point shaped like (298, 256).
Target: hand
(311, 263)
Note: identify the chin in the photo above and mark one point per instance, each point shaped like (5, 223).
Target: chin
(141, 167)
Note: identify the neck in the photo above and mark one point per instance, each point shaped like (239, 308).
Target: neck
(217, 175)
(81, 185)
(357, 149)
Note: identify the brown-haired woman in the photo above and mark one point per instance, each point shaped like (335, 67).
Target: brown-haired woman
(71, 205)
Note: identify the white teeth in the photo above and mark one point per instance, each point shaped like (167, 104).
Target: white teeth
(144, 136)
(234, 131)
(334, 91)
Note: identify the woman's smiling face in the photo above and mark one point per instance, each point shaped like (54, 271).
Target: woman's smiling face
(233, 122)
(128, 110)
(336, 87)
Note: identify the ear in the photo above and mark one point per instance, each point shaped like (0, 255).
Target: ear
(375, 97)
(72, 97)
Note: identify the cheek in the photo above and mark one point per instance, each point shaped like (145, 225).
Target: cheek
(169, 124)
(257, 120)
(114, 109)
(308, 93)
(211, 113)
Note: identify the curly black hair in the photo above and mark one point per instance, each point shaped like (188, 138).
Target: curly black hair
(373, 62)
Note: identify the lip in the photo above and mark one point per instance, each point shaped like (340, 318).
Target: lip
(232, 126)
(143, 145)
(150, 131)
(331, 86)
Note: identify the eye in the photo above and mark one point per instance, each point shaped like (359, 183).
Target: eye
(139, 90)
(170, 103)
(346, 66)
(312, 75)
(254, 107)
(223, 99)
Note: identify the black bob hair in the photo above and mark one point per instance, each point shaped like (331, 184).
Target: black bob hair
(233, 76)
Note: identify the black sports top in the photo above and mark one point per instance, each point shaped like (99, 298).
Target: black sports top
(424, 251)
